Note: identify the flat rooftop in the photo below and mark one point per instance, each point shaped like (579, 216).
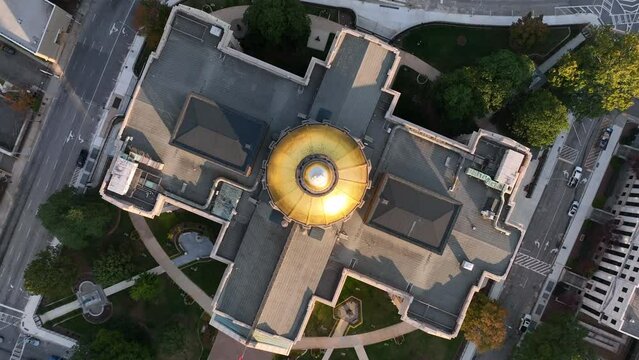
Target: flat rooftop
(631, 316)
(191, 62)
(24, 21)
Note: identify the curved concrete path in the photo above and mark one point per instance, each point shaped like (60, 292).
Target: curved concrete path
(181, 280)
(349, 341)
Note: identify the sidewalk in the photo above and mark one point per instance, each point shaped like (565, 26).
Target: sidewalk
(348, 341)
(29, 326)
(387, 21)
(572, 233)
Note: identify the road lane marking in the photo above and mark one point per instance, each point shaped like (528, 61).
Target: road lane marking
(533, 264)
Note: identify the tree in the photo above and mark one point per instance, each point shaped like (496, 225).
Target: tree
(560, 338)
(485, 323)
(112, 267)
(76, 220)
(172, 339)
(279, 23)
(51, 274)
(601, 76)
(501, 76)
(528, 32)
(147, 287)
(456, 96)
(109, 345)
(539, 119)
(150, 17)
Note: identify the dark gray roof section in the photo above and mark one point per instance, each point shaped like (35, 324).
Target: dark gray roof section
(351, 88)
(254, 265)
(219, 133)
(413, 213)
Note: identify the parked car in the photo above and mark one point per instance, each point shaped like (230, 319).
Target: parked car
(82, 158)
(524, 323)
(603, 143)
(573, 208)
(575, 177)
(33, 341)
(1, 339)
(8, 49)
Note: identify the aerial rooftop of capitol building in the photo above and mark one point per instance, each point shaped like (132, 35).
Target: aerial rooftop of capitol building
(314, 180)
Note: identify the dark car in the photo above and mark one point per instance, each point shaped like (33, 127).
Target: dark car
(603, 143)
(8, 49)
(82, 158)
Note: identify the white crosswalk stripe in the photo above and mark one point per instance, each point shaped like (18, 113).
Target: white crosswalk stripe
(568, 154)
(532, 264)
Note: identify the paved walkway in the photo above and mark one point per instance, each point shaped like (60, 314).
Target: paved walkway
(340, 329)
(368, 338)
(361, 353)
(225, 348)
(195, 247)
(388, 21)
(156, 251)
(419, 65)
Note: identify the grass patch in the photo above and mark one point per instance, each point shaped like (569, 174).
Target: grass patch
(144, 322)
(161, 227)
(448, 47)
(212, 5)
(348, 354)
(321, 322)
(206, 274)
(416, 345)
(377, 309)
(295, 61)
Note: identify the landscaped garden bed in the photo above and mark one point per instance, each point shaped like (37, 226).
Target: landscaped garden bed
(206, 274)
(416, 345)
(148, 323)
(167, 226)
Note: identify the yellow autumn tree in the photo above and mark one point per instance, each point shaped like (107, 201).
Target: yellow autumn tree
(484, 324)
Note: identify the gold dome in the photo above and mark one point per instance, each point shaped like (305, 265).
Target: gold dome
(317, 175)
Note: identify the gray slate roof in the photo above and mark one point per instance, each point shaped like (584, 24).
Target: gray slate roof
(413, 213)
(219, 133)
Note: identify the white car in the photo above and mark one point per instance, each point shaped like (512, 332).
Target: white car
(576, 176)
(524, 323)
(573, 208)
(33, 341)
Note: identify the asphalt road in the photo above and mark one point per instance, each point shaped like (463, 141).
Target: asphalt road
(88, 80)
(544, 234)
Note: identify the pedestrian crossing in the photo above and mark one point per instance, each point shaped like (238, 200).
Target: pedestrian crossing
(568, 154)
(532, 264)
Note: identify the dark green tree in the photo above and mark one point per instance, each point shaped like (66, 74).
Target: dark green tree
(51, 274)
(601, 76)
(150, 17)
(502, 75)
(76, 220)
(485, 323)
(456, 95)
(279, 23)
(172, 339)
(112, 267)
(560, 338)
(528, 32)
(147, 287)
(109, 345)
(539, 119)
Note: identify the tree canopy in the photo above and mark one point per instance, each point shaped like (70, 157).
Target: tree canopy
(112, 267)
(109, 345)
(172, 339)
(560, 338)
(527, 32)
(147, 287)
(51, 274)
(601, 76)
(484, 324)
(150, 17)
(278, 23)
(539, 119)
(76, 220)
(473, 91)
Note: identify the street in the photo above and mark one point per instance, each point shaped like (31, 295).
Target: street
(86, 84)
(543, 238)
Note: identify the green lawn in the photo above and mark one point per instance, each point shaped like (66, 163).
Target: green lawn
(377, 308)
(448, 47)
(348, 354)
(145, 321)
(161, 226)
(321, 322)
(206, 274)
(416, 345)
